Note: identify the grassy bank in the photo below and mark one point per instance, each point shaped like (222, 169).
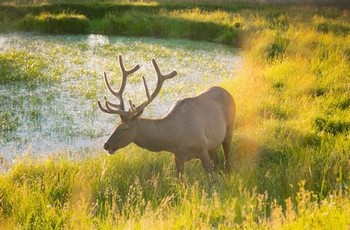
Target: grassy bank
(163, 21)
(137, 189)
(298, 94)
(291, 144)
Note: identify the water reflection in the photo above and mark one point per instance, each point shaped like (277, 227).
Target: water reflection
(96, 39)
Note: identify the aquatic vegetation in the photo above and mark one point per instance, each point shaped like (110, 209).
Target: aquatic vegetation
(61, 109)
(21, 66)
(8, 124)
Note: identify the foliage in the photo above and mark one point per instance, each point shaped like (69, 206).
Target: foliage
(130, 20)
(142, 24)
(66, 23)
(291, 143)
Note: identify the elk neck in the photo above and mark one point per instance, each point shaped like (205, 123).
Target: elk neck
(155, 135)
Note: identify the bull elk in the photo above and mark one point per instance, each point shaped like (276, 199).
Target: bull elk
(193, 128)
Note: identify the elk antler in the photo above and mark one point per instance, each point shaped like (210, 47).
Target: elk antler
(150, 98)
(119, 108)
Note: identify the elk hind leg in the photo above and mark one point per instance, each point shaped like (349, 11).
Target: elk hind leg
(207, 164)
(214, 158)
(226, 144)
(180, 167)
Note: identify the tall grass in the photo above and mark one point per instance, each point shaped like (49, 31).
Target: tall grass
(161, 25)
(291, 145)
(147, 20)
(294, 101)
(66, 23)
(138, 190)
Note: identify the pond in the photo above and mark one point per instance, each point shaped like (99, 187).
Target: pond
(51, 104)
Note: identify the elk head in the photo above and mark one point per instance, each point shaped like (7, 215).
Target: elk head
(126, 130)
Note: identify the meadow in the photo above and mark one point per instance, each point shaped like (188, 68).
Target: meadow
(291, 144)
(55, 102)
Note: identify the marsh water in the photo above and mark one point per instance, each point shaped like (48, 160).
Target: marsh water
(61, 114)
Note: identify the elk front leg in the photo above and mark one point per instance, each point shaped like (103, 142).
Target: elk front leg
(207, 165)
(180, 167)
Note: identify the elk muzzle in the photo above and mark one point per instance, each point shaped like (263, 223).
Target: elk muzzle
(108, 148)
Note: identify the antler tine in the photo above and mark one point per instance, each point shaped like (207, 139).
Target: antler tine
(146, 88)
(161, 79)
(101, 107)
(159, 73)
(109, 110)
(118, 111)
(119, 108)
(132, 107)
(109, 86)
(125, 74)
(111, 104)
(119, 94)
(150, 98)
(124, 71)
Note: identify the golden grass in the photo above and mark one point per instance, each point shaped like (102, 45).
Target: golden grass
(291, 146)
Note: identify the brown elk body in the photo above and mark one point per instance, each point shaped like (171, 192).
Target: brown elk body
(193, 128)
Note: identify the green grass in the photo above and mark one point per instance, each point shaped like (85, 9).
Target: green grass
(296, 103)
(138, 189)
(144, 24)
(17, 66)
(291, 144)
(121, 19)
(63, 23)
(8, 124)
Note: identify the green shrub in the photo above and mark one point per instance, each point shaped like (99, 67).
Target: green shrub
(63, 23)
(144, 24)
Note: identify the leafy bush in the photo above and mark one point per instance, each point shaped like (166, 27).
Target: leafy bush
(63, 23)
(144, 24)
